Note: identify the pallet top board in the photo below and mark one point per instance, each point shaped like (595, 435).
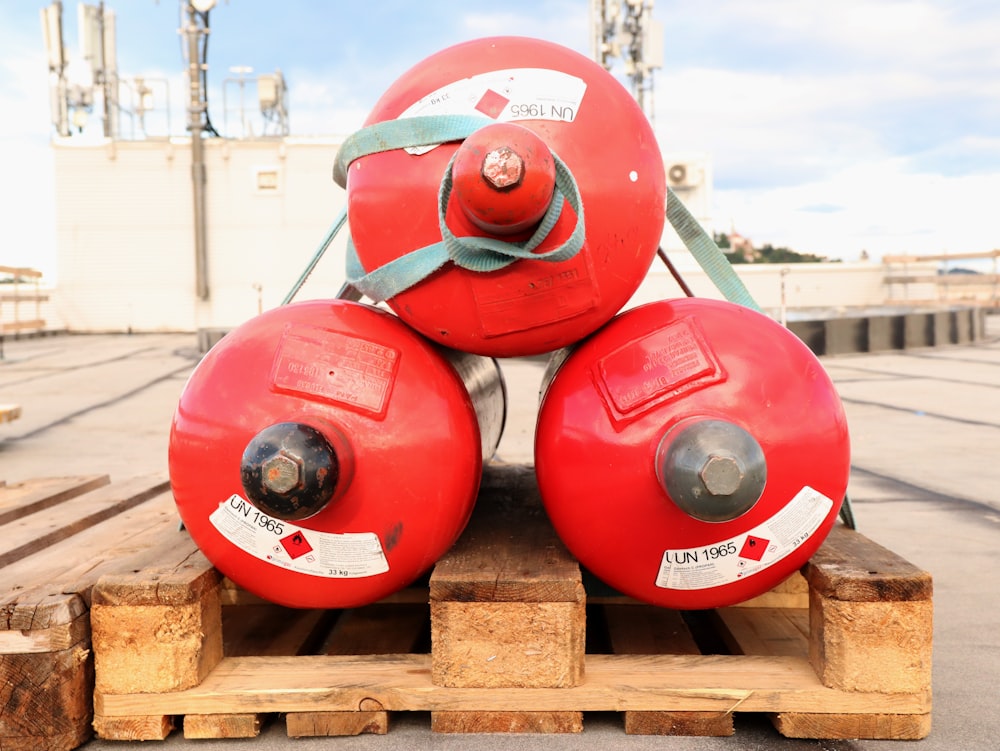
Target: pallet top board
(28, 533)
(22, 499)
(63, 547)
(505, 554)
(852, 568)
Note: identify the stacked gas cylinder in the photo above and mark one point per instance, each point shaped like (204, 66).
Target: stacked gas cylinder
(505, 198)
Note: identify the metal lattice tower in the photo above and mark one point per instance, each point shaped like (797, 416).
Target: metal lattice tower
(626, 29)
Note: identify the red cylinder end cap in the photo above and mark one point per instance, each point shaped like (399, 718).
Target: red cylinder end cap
(503, 178)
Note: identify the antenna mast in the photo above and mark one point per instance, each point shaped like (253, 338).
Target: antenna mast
(626, 29)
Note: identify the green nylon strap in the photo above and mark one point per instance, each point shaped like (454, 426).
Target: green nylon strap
(487, 254)
(480, 254)
(707, 253)
(404, 133)
(338, 224)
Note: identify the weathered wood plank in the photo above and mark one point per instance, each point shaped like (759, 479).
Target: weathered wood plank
(402, 683)
(904, 727)
(137, 728)
(57, 536)
(29, 497)
(766, 631)
(643, 629)
(507, 722)
(508, 552)
(246, 725)
(383, 628)
(331, 724)
(54, 585)
(851, 567)
(37, 530)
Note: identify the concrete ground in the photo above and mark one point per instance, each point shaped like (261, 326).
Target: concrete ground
(925, 430)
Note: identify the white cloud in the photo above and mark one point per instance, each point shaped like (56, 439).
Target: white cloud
(831, 126)
(27, 195)
(879, 207)
(879, 118)
(563, 22)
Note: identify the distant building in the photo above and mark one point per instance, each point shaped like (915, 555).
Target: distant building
(742, 245)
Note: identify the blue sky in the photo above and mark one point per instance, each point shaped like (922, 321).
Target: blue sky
(832, 127)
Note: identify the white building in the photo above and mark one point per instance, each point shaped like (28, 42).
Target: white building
(125, 230)
(125, 236)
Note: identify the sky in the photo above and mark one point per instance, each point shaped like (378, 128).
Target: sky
(833, 128)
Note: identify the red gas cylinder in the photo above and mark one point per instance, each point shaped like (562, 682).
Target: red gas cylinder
(324, 455)
(549, 103)
(692, 453)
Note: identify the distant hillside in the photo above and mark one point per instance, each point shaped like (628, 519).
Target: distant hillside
(744, 252)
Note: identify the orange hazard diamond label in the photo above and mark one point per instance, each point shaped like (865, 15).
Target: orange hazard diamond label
(296, 545)
(754, 548)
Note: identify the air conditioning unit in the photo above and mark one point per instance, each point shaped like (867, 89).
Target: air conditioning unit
(683, 175)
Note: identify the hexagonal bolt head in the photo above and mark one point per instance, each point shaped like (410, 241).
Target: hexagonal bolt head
(721, 475)
(281, 473)
(503, 168)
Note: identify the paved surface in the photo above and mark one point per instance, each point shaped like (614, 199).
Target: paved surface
(925, 428)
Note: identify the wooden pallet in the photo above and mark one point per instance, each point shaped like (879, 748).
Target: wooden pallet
(60, 535)
(113, 620)
(841, 651)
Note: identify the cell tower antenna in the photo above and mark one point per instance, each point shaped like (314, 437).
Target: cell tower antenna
(626, 29)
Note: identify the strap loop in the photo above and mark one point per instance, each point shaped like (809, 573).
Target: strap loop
(479, 254)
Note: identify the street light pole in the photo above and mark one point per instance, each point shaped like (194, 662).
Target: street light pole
(785, 271)
(196, 126)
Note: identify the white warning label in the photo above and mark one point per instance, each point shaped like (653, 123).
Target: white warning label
(307, 551)
(506, 96)
(748, 553)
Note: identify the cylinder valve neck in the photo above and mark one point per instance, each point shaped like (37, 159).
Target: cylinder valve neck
(504, 178)
(713, 470)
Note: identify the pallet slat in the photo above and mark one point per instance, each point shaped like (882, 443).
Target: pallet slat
(643, 629)
(402, 683)
(35, 531)
(371, 630)
(23, 499)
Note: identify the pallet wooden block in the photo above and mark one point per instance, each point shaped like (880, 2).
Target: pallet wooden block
(871, 626)
(509, 595)
(160, 633)
(9, 412)
(61, 534)
(508, 609)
